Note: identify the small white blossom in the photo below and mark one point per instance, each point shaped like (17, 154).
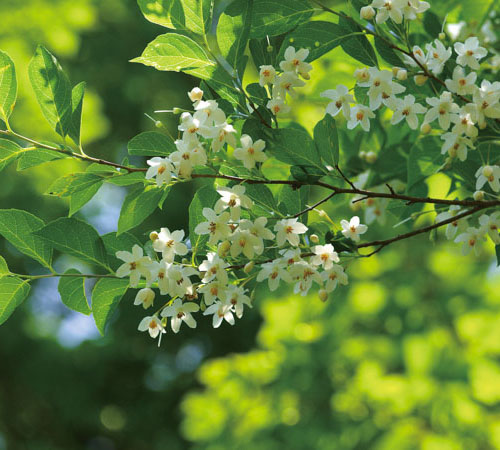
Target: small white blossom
(486, 99)
(237, 298)
(213, 291)
(295, 62)
(221, 311)
(469, 53)
(407, 109)
(442, 109)
(181, 312)
(136, 264)
(179, 283)
(273, 272)
(304, 274)
(341, 100)
(267, 75)
(413, 7)
(223, 133)
(245, 242)
(213, 267)
(161, 168)
(491, 225)
(471, 239)
(333, 277)
(453, 227)
(233, 198)
(195, 95)
(189, 154)
(456, 145)
(216, 226)
(381, 87)
(324, 255)
(250, 152)
(145, 297)
(169, 244)
(388, 9)
(189, 126)
(490, 175)
(286, 83)
(289, 230)
(278, 106)
(353, 228)
(360, 115)
(460, 83)
(151, 324)
(465, 121)
(437, 55)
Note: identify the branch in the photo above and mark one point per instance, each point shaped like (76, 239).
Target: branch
(62, 275)
(310, 208)
(381, 244)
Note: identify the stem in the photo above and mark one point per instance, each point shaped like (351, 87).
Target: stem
(63, 275)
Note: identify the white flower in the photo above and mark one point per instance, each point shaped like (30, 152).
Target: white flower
(367, 13)
(161, 168)
(236, 298)
(286, 83)
(158, 271)
(221, 311)
(289, 230)
(442, 109)
(470, 240)
(208, 113)
(490, 174)
(257, 228)
(381, 87)
(333, 277)
(195, 95)
(189, 126)
(341, 100)
(304, 274)
(181, 312)
(250, 152)
(491, 225)
(278, 106)
(213, 267)
(464, 121)
(189, 154)
(267, 75)
(453, 227)
(273, 272)
(437, 56)
(375, 210)
(224, 133)
(179, 283)
(456, 145)
(151, 324)
(169, 244)
(360, 114)
(216, 226)
(136, 264)
(407, 109)
(295, 62)
(145, 297)
(469, 53)
(362, 75)
(419, 55)
(291, 255)
(413, 7)
(460, 83)
(353, 228)
(245, 242)
(233, 198)
(324, 255)
(213, 291)
(388, 9)
(486, 99)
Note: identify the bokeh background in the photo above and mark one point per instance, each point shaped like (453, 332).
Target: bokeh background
(406, 357)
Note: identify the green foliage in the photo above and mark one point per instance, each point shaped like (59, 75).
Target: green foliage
(9, 152)
(151, 143)
(356, 44)
(13, 291)
(327, 140)
(106, 296)
(72, 292)
(8, 86)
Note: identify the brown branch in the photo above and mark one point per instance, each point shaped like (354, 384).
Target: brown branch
(310, 208)
(383, 243)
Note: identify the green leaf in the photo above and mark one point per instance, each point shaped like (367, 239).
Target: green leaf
(13, 291)
(115, 243)
(273, 17)
(432, 24)
(127, 179)
(4, 269)
(204, 198)
(318, 37)
(106, 295)
(151, 143)
(425, 159)
(292, 201)
(497, 251)
(387, 53)
(52, 90)
(18, 227)
(264, 52)
(76, 238)
(326, 139)
(175, 52)
(356, 44)
(306, 174)
(8, 86)
(191, 15)
(296, 147)
(9, 152)
(76, 112)
(72, 292)
(232, 33)
(139, 204)
(35, 157)
(262, 196)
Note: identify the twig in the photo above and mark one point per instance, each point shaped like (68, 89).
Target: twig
(310, 208)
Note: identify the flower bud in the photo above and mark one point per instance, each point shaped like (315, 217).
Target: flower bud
(478, 196)
(159, 124)
(322, 213)
(176, 110)
(362, 74)
(367, 12)
(420, 79)
(223, 248)
(371, 157)
(323, 295)
(195, 95)
(145, 297)
(402, 74)
(314, 238)
(185, 261)
(395, 71)
(487, 171)
(425, 128)
(153, 236)
(441, 35)
(269, 49)
(362, 154)
(248, 267)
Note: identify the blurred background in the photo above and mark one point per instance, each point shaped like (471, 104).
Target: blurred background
(406, 357)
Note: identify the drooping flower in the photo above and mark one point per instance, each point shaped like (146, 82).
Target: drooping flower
(151, 324)
(181, 312)
(135, 265)
(250, 152)
(340, 101)
(289, 230)
(490, 175)
(353, 228)
(324, 255)
(161, 168)
(145, 297)
(169, 243)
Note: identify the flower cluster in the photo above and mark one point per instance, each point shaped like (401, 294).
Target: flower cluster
(396, 10)
(292, 67)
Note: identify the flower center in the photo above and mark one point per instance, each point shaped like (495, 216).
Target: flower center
(133, 265)
(212, 227)
(289, 230)
(360, 115)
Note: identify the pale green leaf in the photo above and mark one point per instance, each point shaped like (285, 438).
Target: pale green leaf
(4, 269)
(9, 152)
(52, 90)
(72, 292)
(76, 238)
(151, 143)
(18, 227)
(37, 156)
(77, 95)
(327, 140)
(106, 295)
(356, 44)
(8, 86)
(138, 206)
(13, 291)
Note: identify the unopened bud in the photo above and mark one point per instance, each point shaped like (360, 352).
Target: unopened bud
(420, 79)
(478, 196)
(323, 295)
(185, 261)
(362, 154)
(371, 157)
(159, 124)
(425, 128)
(402, 74)
(441, 35)
(367, 12)
(177, 110)
(395, 71)
(488, 171)
(153, 236)
(223, 248)
(195, 95)
(269, 49)
(482, 125)
(248, 267)
(322, 213)
(314, 238)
